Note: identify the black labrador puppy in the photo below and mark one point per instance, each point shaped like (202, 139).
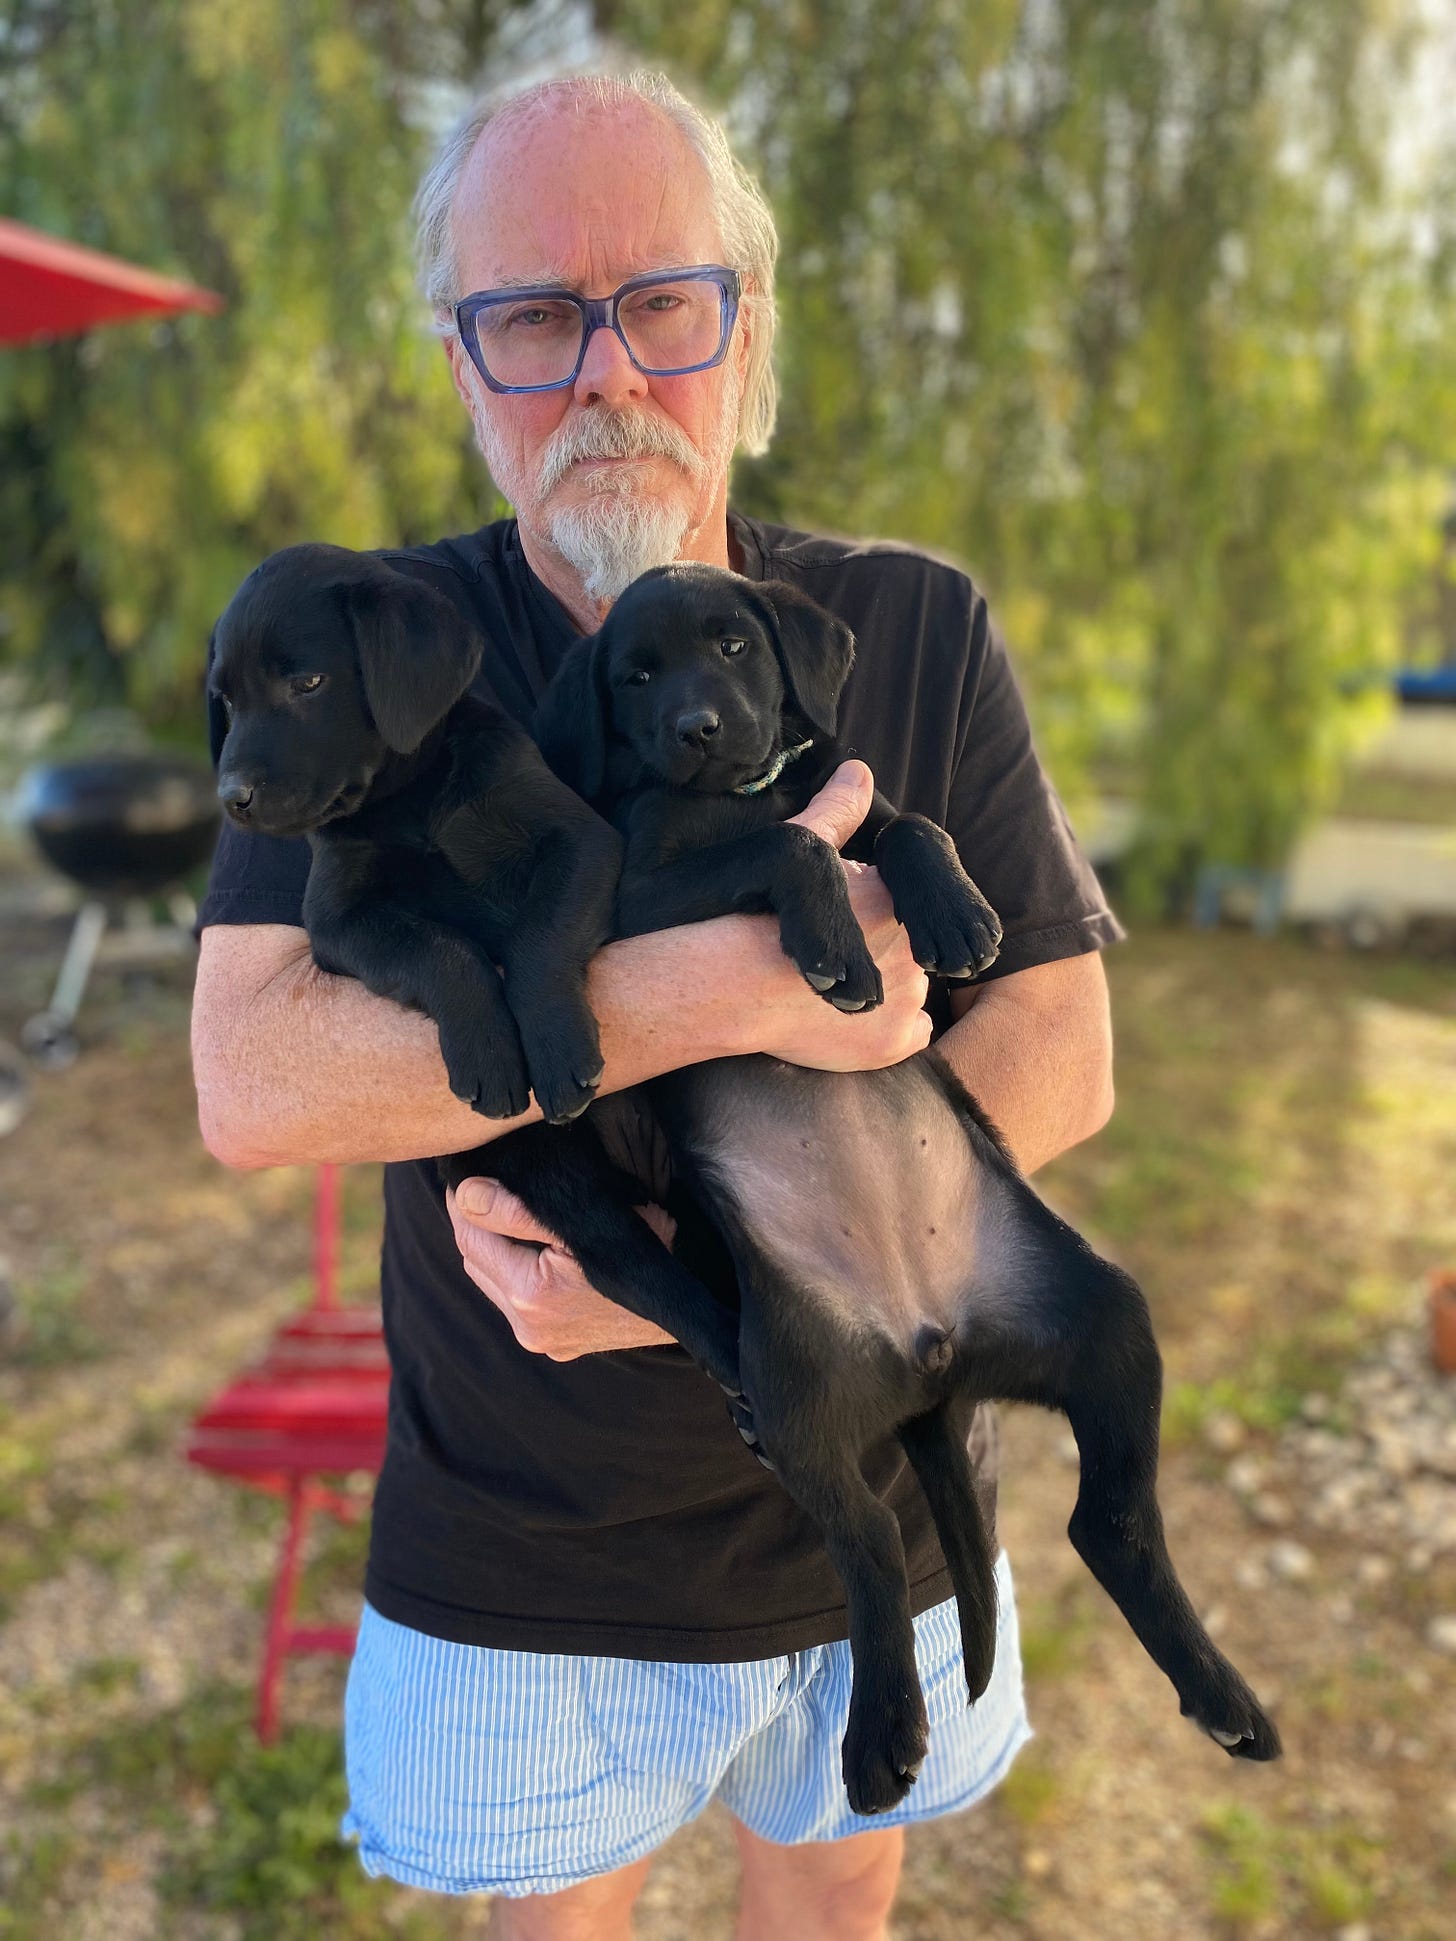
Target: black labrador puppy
(893, 1266)
(442, 844)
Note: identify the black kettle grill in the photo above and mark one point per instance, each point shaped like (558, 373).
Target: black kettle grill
(126, 828)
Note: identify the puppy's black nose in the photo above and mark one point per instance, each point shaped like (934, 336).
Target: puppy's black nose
(697, 726)
(236, 798)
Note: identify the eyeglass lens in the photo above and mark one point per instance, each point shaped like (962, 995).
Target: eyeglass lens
(536, 340)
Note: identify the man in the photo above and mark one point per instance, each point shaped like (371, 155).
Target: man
(588, 1610)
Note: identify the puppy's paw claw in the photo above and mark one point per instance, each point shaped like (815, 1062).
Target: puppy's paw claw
(881, 1763)
(565, 1078)
(957, 944)
(495, 1095)
(1233, 1718)
(563, 1114)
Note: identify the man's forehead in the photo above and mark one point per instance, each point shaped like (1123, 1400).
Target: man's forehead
(570, 193)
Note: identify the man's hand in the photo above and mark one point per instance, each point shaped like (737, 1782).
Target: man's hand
(538, 1286)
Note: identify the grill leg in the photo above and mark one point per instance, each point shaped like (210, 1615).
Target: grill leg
(76, 964)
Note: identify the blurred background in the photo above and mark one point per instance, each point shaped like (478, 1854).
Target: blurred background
(1143, 311)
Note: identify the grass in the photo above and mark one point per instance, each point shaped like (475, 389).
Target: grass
(51, 1330)
(1276, 1171)
(252, 1831)
(1258, 1867)
(1384, 795)
(1056, 1630)
(31, 1873)
(1032, 1789)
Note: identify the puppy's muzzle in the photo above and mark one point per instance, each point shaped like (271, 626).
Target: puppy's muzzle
(237, 798)
(695, 727)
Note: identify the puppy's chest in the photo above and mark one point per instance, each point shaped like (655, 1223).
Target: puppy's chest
(663, 826)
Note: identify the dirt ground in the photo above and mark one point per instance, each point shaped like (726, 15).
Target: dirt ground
(1280, 1177)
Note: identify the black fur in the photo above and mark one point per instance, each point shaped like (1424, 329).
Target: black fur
(1026, 1311)
(443, 846)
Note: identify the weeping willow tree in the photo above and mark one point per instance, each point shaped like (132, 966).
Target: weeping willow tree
(1135, 306)
(1126, 303)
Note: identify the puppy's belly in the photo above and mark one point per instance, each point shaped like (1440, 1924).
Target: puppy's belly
(861, 1188)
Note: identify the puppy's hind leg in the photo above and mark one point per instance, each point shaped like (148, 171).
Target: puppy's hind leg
(942, 1464)
(887, 1733)
(1113, 1404)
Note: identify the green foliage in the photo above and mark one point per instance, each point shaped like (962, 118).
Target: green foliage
(266, 1849)
(1116, 300)
(273, 1854)
(265, 152)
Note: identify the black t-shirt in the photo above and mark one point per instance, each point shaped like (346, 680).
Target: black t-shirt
(607, 1505)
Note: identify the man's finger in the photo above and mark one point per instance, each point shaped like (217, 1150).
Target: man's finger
(660, 1221)
(841, 805)
(486, 1203)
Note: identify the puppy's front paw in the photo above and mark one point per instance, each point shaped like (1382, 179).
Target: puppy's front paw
(565, 1072)
(487, 1069)
(953, 932)
(835, 960)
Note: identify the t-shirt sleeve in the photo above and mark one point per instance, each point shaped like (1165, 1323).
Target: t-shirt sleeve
(255, 879)
(1009, 825)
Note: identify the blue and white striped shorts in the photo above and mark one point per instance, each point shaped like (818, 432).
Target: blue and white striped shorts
(519, 1772)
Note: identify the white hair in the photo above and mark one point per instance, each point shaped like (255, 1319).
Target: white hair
(745, 222)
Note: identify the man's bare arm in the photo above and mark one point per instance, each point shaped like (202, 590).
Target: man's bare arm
(1035, 1048)
(294, 1066)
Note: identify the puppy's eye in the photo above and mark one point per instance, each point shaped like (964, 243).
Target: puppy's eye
(226, 706)
(306, 684)
(639, 677)
(733, 646)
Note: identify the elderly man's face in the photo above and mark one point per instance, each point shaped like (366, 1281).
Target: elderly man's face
(587, 198)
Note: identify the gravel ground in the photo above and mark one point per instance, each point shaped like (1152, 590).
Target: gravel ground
(1314, 1528)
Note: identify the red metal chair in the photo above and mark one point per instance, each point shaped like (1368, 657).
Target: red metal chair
(315, 1406)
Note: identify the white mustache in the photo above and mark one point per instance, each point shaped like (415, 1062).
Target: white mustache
(614, 434)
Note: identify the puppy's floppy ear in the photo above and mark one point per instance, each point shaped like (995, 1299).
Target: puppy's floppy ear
(572, 719)
(417, 655)
(217, 721)
(815, 651)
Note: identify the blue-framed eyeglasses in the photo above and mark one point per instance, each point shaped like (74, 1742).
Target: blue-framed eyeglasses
(669, 322)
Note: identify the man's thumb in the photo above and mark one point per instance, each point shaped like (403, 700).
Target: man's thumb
(841, 805)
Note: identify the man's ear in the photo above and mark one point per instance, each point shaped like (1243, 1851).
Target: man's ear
(458, 358)
(417, 655)
(572, 719)
(815, 652)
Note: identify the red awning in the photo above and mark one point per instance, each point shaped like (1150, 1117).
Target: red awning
(53, 289)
